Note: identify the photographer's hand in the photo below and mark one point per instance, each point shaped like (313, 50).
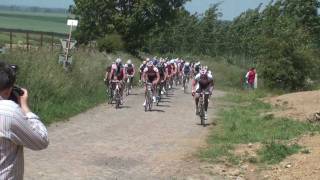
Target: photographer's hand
(23, 100)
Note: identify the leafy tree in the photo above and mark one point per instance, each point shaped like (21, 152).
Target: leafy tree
(129, 18)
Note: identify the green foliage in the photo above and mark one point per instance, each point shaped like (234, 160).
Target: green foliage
(54, 94)
(281, 40)
(273, 152)
(131, 19)
(110, 43)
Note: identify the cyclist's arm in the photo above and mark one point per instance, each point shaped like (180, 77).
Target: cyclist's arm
(134, 70)
(125, 75)
(165, 74)
(106, 76)
(158, 78)
(194, 82)
(110, 75)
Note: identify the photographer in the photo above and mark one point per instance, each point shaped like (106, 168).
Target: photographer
(19, 127)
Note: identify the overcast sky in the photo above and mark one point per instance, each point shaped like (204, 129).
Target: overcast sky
(229, 8)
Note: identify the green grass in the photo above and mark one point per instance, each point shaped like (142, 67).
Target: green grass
(34, 21)
(56, 95)
(244, 123)
(273, 152)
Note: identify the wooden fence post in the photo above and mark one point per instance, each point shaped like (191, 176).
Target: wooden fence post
(27, 41)
(41, 40)
(52, 42)
(10, 40)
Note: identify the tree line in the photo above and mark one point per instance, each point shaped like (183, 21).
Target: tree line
(281, 39)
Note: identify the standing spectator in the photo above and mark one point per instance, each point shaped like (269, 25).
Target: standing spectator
(250, 76)
(19, 127)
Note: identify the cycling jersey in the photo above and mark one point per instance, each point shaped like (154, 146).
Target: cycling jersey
(204, 81)
(186, 70)
(197, 69)
(118, 71)
(162, 70)
(151, 73)
(170, 69)
(129, 69)
(142, 67)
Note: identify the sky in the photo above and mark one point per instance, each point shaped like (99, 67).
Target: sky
(229, 8)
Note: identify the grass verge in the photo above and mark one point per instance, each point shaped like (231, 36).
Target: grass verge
(246, 121)
(56, 95)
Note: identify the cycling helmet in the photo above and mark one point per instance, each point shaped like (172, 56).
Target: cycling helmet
(147, 59)
(187, 64)
(144, 62)
(129, 61)
(150, 63)
(172, 61)
(118, 61)
(155, 62)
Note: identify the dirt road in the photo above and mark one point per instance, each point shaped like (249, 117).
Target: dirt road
(104, 143)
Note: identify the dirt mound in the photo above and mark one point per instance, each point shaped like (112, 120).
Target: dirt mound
(304, 165)
(300, 106)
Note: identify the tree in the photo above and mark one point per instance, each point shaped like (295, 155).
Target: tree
(130, 18)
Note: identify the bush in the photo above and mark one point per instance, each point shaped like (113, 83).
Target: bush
(110, 43)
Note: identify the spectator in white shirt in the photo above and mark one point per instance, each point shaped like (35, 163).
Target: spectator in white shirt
(19, 127)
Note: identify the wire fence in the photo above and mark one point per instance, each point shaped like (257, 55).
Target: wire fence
(28, 39)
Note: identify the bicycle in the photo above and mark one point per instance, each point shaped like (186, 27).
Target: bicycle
(149, 95)
(160, 89)
(129, 84)
(115, 87)
(201, 107)
(185, 83)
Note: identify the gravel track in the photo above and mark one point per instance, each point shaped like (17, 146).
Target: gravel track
(104, 143)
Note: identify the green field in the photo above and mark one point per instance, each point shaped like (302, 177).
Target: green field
(49, 22)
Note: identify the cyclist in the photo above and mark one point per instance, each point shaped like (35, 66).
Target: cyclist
(186, 72)
(151, 75)
(173, 68)
(118, 73)
(163, 76)
(203, 82)
(141, 68)
(106, 76)
(197, 68)
(130, 71)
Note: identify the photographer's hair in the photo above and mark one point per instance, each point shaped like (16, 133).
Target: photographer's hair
(7, 76)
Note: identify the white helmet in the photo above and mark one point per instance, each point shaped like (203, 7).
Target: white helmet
(149, 63)
(118, 60)
(129, 61)
(187, 64)
(172, 61)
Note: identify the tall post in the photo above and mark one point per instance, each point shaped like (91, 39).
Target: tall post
(10, 40)
(41, 40)
(67, 48)
(27, 41)
(52, 42)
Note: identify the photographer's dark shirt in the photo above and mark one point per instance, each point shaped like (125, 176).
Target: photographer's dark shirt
(18, 130)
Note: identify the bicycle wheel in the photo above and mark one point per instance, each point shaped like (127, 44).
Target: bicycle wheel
(150, 101)
(201, 108)
(118, 100)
